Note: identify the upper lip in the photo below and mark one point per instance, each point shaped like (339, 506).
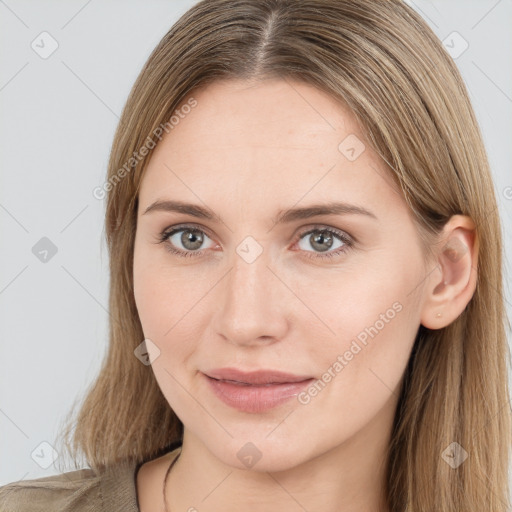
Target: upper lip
(255, 377)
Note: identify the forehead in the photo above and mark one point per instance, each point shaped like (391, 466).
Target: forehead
(253, 140)
(274, 114)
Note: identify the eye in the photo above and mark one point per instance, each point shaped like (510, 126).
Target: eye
(323, 239)
(184, 241)
(188, 241)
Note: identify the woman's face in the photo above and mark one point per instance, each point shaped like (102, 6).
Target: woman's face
(264, 282)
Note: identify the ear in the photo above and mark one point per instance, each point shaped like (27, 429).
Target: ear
(451, 285)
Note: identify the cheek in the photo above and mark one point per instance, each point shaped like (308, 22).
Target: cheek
(359, 369)
(352, 298)
(162, 296)
(151, 298)
(370, 318)
(163, 301)
(172, 309)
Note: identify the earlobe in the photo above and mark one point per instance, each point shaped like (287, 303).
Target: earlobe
(452, 284)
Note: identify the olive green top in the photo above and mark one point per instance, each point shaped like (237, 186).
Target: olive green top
(113, 489)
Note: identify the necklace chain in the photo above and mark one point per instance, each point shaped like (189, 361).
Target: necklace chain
(166, 478)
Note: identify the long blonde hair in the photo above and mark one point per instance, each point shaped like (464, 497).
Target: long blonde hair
(382, 60)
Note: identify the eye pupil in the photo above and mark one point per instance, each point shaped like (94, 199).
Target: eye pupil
(191, 236)
(317, 240)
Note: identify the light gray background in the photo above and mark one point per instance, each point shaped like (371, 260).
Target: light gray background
(58, 119)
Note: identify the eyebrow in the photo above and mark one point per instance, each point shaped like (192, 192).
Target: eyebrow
(283, 216)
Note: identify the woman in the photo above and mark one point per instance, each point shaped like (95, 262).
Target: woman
(306, 289)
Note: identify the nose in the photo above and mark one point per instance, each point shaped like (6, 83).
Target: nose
(252, 304)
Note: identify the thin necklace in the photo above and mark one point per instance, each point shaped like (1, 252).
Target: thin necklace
(166, 477)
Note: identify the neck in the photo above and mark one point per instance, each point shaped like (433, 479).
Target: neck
(350, 477)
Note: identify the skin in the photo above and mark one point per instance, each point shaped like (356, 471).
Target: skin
(246, 151)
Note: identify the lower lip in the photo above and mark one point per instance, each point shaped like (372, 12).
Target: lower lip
(258, 397)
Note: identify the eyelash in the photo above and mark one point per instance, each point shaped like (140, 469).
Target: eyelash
(347, 241)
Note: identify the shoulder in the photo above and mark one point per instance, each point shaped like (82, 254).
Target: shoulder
(78, 491)
(75, 490)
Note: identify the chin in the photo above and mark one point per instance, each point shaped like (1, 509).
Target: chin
(261, 455)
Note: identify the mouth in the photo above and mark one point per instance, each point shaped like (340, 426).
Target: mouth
(255, 377)
(255, 392)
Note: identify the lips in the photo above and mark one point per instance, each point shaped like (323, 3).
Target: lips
(256, 377)
(255, 391)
